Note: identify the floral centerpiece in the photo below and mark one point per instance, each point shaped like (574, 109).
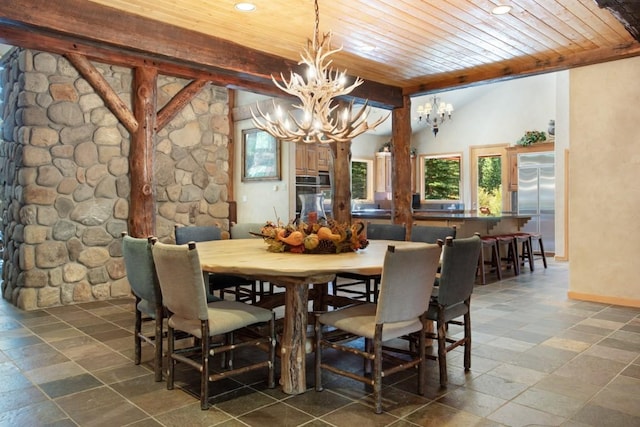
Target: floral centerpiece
(317, 238)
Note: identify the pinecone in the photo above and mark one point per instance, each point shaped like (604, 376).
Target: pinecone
(325, 247)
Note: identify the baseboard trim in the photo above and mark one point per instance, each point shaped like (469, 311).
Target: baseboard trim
(627, 302)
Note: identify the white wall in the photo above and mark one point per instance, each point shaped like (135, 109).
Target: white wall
(259, 201)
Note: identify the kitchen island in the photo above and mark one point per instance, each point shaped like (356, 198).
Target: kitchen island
(467, 223)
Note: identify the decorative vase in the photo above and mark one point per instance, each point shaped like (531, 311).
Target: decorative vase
(312, 210)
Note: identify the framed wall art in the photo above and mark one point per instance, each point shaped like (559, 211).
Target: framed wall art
(260, 156)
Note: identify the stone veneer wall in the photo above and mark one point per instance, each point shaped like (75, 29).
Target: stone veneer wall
(65, 182)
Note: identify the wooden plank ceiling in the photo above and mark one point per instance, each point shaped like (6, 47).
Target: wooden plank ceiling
(416, 44)
(409, 47)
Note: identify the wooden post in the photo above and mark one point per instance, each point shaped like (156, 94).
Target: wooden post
(401, 166)
(142, 218)
(341, 185)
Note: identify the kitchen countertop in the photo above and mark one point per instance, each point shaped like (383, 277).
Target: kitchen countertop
(436, 214)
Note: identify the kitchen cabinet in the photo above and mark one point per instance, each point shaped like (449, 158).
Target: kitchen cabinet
(383, 172)
(312, 158)
(512, 160)
(306, 159)
(383, 183)
(323, 152)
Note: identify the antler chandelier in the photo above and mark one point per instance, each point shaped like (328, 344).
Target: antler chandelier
(320, 120)
(434, 113)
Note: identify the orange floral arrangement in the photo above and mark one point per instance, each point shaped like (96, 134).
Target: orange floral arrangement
(316, 238)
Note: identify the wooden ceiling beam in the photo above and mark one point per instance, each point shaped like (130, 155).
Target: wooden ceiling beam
(498, 72)
(78, 26)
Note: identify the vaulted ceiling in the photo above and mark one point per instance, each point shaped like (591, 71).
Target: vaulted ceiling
(398, 46)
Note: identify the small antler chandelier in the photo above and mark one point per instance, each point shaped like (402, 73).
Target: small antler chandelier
(320, 122)
(434, 113)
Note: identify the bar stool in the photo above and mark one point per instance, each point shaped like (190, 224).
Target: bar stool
(538, 237)
(526, 252)
(511, 257)
(491, 243)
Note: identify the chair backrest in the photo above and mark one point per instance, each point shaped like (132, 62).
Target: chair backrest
(458, 271)
(140, 268)
(181, 281)
(243, 230)
(386, 231)
(431, 233)
(196, 233)
(407, 280)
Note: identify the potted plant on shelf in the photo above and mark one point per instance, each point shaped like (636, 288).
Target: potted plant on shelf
(531, 137)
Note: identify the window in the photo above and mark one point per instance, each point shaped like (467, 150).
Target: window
(441, 175)
(362, 180)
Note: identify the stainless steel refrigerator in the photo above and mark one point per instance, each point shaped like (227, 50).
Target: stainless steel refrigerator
(536, 195)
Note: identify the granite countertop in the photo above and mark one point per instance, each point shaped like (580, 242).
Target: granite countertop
(436, 214)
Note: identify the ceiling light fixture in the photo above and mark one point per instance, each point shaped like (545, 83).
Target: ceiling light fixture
(501, 9)
(316, 118)
(434, 113)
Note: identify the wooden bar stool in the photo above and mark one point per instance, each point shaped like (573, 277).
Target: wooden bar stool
(491, 243)
(511, 257)
(538, 237)
(525, 251)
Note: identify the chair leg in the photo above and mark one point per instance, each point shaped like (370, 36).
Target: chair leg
(204, 374)
(495, 258)
(137, 341)
(171, 361)
(377, 370)
(318, 354)
(467, 339)
(158, 344)
(442, 349)
(544, 257)
(480, 270)
(422, 367)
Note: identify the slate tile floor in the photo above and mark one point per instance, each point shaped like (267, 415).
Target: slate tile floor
(538, 359)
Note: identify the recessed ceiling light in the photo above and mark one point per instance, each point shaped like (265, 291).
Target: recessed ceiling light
(367, 48)
(245, 7)
(501, 9)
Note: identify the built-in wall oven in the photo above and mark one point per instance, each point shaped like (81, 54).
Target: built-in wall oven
(305, 184)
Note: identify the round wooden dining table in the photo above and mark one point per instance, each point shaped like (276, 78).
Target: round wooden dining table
(295, 272)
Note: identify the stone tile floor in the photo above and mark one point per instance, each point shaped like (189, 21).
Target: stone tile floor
(538, 359)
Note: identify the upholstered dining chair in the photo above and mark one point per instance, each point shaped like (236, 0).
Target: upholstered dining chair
(431, 233)
(248, 230)
(370, 282)
(184, 295)
(406, 283)
(452, 298)
(243, 289)
(141, 273)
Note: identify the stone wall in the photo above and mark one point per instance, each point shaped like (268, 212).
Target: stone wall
(64, 173)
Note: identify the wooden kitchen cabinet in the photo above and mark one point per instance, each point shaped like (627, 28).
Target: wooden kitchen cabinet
(306, 159)
(512, 160)
(323, 152)
(383, 183)
(383, 172)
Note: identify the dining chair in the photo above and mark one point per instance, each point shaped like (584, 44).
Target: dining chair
(243, 289)
(183, 289)
(248, 230)
(406, 283)
(431, 233)
(370, 282)
(141, 273)
(451, 299)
